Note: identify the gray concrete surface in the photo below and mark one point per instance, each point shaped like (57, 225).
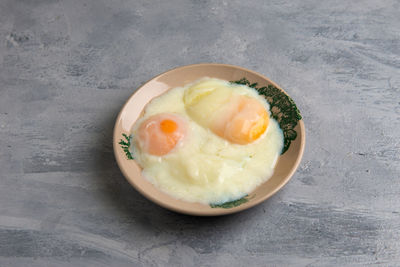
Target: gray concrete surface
(66, 68)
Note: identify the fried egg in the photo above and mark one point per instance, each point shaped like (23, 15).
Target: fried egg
(209, 142)
(240, 119)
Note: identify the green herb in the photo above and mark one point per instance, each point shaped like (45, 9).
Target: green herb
(282, 108)
(125, 145)
(230, 204)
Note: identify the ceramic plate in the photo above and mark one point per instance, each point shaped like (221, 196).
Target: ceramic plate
(282, 108)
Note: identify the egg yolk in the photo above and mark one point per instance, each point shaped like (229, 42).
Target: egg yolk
(241, 121)
(168, 126)
(159, 134)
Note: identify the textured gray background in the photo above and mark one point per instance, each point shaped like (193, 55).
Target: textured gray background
(68, 66)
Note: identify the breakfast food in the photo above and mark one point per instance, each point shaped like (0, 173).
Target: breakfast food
(240, 119)
(209, 142)
(159, 134)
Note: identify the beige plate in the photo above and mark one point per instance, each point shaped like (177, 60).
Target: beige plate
(133, 108)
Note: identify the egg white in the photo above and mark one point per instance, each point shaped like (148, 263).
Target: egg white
(204, 167)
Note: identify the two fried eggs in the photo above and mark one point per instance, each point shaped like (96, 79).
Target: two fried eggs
(210, 142)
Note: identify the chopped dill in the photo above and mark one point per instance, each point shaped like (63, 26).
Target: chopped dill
(125, 145)
(230, 204)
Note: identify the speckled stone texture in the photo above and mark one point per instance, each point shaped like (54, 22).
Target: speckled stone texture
(67, 67)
